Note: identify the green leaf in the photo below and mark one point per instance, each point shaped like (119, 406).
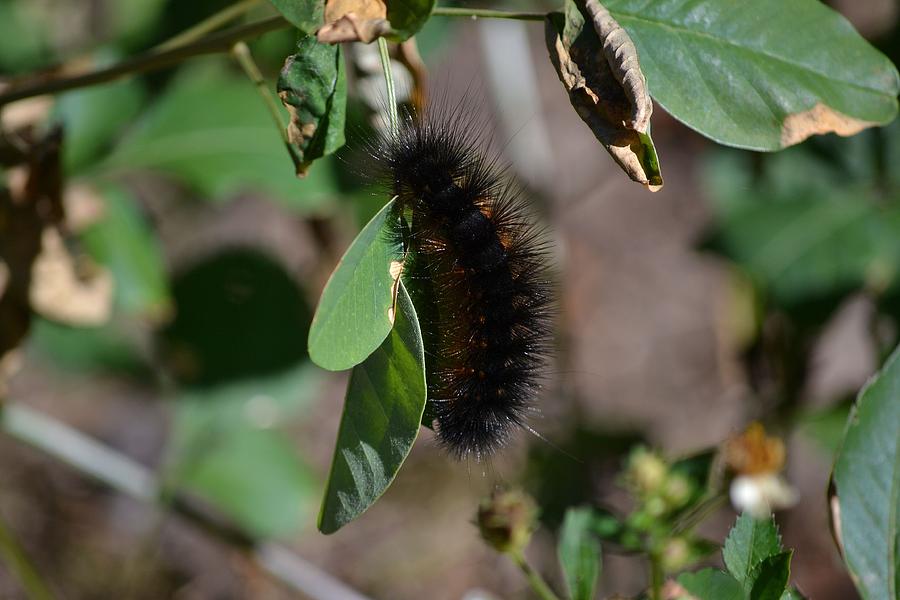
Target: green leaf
(760, 75)
(579, 553)
(255, 477)
(305, 15)
(123, 242)
(313, 87)
(227, 447)
(770, 578)
(408, 17)
(354, 313)
(711, 584)
(211, 130)
(792, 594)
(867, 482)
(384, 405)
(750, 542)
(92, 118)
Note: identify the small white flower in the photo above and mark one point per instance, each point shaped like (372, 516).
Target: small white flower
(761, 494)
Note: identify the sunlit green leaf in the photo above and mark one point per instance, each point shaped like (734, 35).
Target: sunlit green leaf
(385, 400)
(750, 542)
(761, 75)
(354, 313)
(711, 584)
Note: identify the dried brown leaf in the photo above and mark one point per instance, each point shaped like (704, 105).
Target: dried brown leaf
(598, 66)
(354, 21)
(818, 120)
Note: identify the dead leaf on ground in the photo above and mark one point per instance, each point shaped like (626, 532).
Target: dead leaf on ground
(354, 21)
(599, 68)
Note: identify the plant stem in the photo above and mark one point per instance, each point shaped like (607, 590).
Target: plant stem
(241, 53)
(389, 85)
(537, 582)
(487, 13)
(208, 25)
(656, 576)
(91, 458)
(19, 564)
(194, 42)
(147, 61)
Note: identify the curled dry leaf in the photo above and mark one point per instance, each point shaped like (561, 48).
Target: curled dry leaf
(599, 68)
(354, 21)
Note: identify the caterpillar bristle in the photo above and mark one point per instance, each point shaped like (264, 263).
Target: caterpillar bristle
(477, 269)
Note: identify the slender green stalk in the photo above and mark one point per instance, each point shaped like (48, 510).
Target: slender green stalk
(534, 578)
(208, 25)
(656, 576)
(19, 564)
(389, 85)
(241, 53)
(487, 13)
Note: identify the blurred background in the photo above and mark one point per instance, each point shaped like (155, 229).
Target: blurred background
(751, 287)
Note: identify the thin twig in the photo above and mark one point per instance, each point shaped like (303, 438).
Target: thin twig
(487, 13)
(187, 45)
(148, 61)
(208, 25)
(389, 85)
(19, 564)
(241, 53)
(126, 476)
(535, 580)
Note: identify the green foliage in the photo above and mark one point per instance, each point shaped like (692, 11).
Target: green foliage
(305, 15)
(212, 131)
(408, 17)
(579, 553)
(353, 316)
(382, 412)
(749, 543)
(746, 73)
(123, 242)
(758, 569)
(228, 448)
(867, 483)
(94, 117)
(313, 87)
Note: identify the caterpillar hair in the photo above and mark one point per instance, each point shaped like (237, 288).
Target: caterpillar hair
(477, 268)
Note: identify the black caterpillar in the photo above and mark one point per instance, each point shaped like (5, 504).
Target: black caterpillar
(477, 270)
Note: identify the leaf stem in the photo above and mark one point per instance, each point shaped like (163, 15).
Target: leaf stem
(389, 85)
(241, 53)
(656, 575)
(19, 564)
(534, 578)
(208, 25)
(486, 13)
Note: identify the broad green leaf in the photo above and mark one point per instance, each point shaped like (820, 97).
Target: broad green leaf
(211, 130)
(382, 412)
(579, 553)
(313, 87)
(750, 542)
(770, 578)
(94, 116)
(305, 15)
(711, 584)
(354, 313)
(228, 448)
(123, 242)
(761, 75)
(255, 477)
(577, 54)
(867, 482)
(408, 17)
